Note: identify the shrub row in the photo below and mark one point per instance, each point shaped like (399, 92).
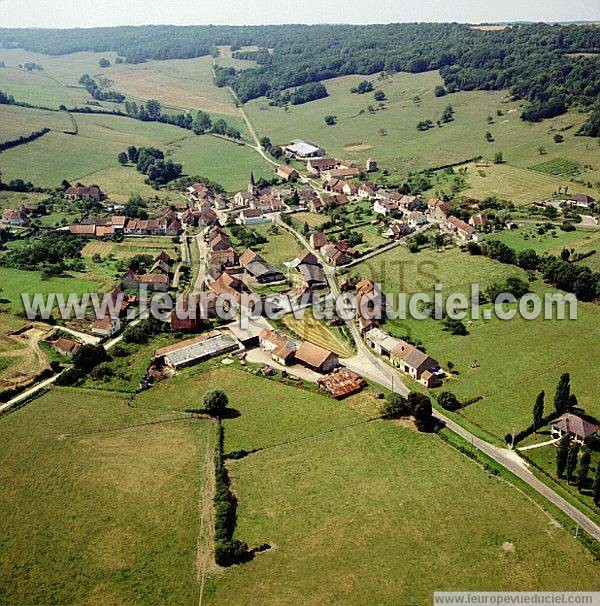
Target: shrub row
(23, 139)
(228, 551)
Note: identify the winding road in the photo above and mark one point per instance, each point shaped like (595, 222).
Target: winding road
(367, 364)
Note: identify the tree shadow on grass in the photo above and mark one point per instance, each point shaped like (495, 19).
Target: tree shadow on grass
(230, 413)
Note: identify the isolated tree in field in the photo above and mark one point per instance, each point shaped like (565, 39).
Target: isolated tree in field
(104, 63)
(558, 138)
(572, 459)
(490, 120)
(499, 158)
(488, 136)
(330, 120)
(541, 150)
(596, 487)
(379, 95)
(422, 410)
(215, 402)
(563, 394)
(584, 469)
(439, 91)
(538, 410)
(265, 142)
(122, 158)
(562, 454)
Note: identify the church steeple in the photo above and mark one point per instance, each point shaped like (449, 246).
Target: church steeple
(252, 185)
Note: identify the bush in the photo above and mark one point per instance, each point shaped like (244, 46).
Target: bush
(448, 401)
(69, 377)
(396, 406)
(88, 357)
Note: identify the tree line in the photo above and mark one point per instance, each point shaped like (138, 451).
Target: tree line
(561, 273)
(530, 60)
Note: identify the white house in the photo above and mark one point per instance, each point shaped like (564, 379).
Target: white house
(416, 218)
(252, 216)
(106, 327)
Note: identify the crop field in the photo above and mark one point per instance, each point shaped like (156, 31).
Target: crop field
(521, 185)
(514, 360)
(315, 331)
(400, 148)
(180, 83)
(117, 509)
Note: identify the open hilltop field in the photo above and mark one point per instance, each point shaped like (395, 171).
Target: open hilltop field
(90, 156)
(20, 122)
(390, 135)
(131, 503)
(514, 359)
(178, 84)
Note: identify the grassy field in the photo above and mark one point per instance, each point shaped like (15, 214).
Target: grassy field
(516, 359)
(314, 220)
(40, 88)
(520, 185)
(91, 155)
(120, 508)
(222, 161)
(98, 517)
(400, 148)
(180, 83)
(527, 237)
(281, 247)
(341, 531)
(17, 121)
(545, 457)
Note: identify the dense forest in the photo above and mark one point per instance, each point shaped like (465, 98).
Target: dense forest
(530, 60)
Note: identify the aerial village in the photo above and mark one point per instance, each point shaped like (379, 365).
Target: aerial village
(218, 226)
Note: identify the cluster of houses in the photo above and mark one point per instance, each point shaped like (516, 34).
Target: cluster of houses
(337, 253)
(157, 279)
(168, 224)
(20, 217)
(257, 203)
(337, 380)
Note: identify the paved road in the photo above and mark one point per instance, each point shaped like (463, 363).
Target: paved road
(202, 261)
(370, 366)
(28, 392)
